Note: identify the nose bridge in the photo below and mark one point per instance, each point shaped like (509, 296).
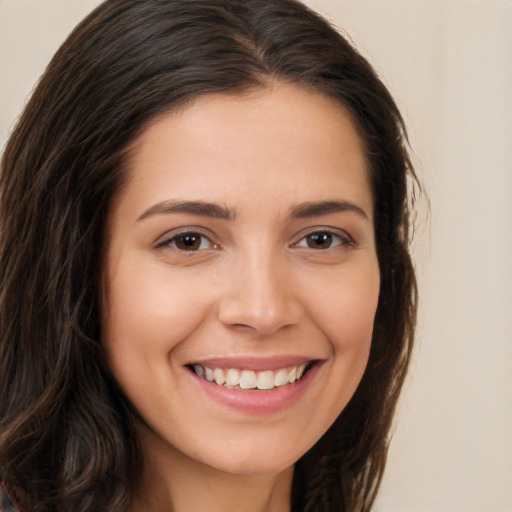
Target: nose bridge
(258, 292)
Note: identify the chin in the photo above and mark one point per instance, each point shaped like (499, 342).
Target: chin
(256, 468)
(257, 462)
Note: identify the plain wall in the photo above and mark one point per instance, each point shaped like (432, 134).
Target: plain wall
(449, 64)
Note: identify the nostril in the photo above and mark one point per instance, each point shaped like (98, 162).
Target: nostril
(243, 327)
(258, 300)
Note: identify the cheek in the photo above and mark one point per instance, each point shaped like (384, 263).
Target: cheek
(149, 313)
(346, 309)
(346, 314)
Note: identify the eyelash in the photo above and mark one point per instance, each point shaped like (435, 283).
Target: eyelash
(189, 237)
(343, 240)
(181, 237)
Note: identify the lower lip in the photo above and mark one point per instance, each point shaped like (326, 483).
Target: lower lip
(258, 402)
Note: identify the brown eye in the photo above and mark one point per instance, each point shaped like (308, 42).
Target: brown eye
(188, 242)
(320, 240)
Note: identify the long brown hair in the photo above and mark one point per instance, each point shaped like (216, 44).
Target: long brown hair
(66, 437)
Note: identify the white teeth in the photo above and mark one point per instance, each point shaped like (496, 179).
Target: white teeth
(248, 379)
(232, 377)
(266, 380)
(199, 370)
(218, 376)
(281, 378)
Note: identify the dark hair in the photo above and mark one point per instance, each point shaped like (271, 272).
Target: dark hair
(66, 437)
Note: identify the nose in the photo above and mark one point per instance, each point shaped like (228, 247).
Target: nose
(259, 294)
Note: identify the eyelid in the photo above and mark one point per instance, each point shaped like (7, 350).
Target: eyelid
(346, 238)
(166, 239)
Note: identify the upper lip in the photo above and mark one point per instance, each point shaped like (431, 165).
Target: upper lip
(254, 363)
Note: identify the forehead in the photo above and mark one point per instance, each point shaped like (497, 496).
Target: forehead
(282, 140)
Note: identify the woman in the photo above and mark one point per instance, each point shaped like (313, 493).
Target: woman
(207, 297)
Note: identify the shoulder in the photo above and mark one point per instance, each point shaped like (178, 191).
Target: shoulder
(6, 504)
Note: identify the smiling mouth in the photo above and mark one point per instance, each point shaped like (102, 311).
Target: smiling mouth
(245, 380)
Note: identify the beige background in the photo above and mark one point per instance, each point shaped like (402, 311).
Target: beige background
(449, 64)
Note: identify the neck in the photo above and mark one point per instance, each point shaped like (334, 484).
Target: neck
(173, 482)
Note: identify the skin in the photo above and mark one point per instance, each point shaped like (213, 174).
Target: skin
(256, 284)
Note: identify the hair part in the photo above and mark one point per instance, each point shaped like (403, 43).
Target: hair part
(67, 440)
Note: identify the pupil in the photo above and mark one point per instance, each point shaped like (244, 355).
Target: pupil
(188, 242)
(320, 240)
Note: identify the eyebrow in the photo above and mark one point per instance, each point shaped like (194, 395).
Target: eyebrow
(202, 208)
(206, 209)
(319, 208)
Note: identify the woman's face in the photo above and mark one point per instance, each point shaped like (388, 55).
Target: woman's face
(241, 249)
